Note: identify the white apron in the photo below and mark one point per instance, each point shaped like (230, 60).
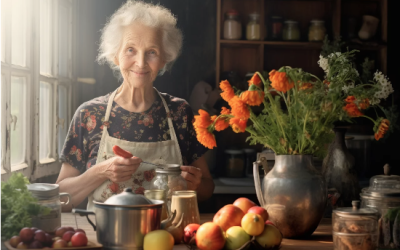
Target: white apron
(162, 152)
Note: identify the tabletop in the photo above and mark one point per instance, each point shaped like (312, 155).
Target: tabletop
(321, 239)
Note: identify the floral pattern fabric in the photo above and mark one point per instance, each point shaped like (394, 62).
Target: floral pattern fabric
(86, 128)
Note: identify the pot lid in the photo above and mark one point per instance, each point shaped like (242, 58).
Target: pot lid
(356, 210)
(127, 198)
(43, 190)
(169, 169)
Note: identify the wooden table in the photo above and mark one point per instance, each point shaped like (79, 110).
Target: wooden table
(320, 240)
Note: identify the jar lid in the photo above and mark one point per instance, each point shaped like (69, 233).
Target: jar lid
(254, 15)
(232, 12)
(291, 21)
(317, 21)
(169, 169)
(383, 185)
(234, 151)
(355, 210)
(43, 190)
(127, 198)
(249, 151)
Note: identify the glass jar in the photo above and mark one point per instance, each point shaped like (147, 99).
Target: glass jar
(355, 228)
(276, 28)
(317, 31)
(48, 196)
(291, 31)
(251, 157)
(383, 194)
(235, 163)
(158, 194)
(253, 27)
(185, 204)
(168, 178)
(232, 26)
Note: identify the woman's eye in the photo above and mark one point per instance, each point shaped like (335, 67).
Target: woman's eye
(130, 50)
(152, 52)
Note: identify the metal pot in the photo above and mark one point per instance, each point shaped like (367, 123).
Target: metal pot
(123, 220)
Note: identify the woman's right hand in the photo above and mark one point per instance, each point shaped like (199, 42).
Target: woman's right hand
(119, 169)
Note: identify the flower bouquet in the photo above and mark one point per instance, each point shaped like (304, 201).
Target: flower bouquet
(299, 109)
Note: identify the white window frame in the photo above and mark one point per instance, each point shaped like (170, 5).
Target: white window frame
(33, 167)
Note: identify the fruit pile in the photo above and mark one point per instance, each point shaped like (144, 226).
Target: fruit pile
(234, 227)
(34, 238)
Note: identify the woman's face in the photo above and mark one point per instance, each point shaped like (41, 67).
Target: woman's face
(139, 57)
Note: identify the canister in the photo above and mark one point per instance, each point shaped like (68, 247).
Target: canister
(235, 163)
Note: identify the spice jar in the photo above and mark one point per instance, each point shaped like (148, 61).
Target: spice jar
(316, 32)
(291, 31)
(232, 26)
(355, 228)
(235, 163)
(48, 196)
(168, 178)
(276, 28)
(253, 27)
(383, 194)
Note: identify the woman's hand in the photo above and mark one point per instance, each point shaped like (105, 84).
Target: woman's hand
(118, 169)
(192, 175)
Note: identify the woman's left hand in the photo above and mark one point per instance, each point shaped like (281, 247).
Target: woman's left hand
(192, 175)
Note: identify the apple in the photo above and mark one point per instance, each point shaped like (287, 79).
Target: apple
(80, 230)
(59, 244)
(34, 229)
(26, 234)
(259, 210)
(40, 235)
(228, 216)
(60, 231)
(235, 238)
(189, 232)
(253, 224)
(158, 239)
(268, 222)
(270, 237)
(67, 236)
(210, 236)
(49, 239)
(79, 240)
(70, 229)
(244, 204)
(22, 245)
(35, 244)
(14, 241)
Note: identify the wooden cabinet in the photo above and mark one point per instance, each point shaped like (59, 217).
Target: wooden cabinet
(243, 56)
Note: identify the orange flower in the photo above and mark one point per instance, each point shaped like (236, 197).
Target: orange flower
(364, 104)
(350, 99)
(238, 125)
(203, 120)
(205, 137)
(228, 92)
(306, 85)
(239, 108)
(255, 79)
(382, 129)
(280, 81)
(225, 111)
(326, 82)
(221, 124)
(252, 97)
(352, 110)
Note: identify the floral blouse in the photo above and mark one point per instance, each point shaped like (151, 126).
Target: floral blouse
(85, 131)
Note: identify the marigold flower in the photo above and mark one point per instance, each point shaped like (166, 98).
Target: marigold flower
(350, 99)
(206, 138)
(364, 104)
(203, 120)
(239, 108)
(255, 79)
(252, 97)
(228, 92)
(306, 85)
(280, 81)
(225, 111)
(238, 125)
(352, 110)
(382, 129)
(221, 123)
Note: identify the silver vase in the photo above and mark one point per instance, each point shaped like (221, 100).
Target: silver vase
(294, 193)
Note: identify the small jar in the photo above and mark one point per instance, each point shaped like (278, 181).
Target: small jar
(276, 27)
(291, 31)
(232, 26)
(235, 163)
(185, 205)
(317, 31)
(355, 228)
(48, 196)
(253, 27)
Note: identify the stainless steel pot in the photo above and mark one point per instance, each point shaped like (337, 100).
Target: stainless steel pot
(123, 220)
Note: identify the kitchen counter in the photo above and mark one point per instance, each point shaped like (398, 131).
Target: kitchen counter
(320, 240)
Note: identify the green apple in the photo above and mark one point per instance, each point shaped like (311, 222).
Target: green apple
(235, 238)
(158, 239)
(270, 237)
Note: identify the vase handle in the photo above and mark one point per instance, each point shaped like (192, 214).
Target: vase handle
(257, 183)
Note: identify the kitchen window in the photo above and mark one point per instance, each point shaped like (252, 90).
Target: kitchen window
(36, 85)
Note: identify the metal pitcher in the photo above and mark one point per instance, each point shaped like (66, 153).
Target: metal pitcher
(294, 193)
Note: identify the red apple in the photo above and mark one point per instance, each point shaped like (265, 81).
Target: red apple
(80, 230)
(260, 211)
(49, 239)
(79, 240)
(228, 216)
(244, 204)
(60, 231)
(70, 229)
(210, 236)
(14, 241)
(26, 234)
(40, 235)
(268, 222)
(35, 244)
(68, 235)
(189, 232)
(59, 244)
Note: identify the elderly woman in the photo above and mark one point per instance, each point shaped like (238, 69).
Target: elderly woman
(140, 41)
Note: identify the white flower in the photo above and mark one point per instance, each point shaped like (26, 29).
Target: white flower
(385, 86)
(346, 88)
(374, 101)
(324, 64)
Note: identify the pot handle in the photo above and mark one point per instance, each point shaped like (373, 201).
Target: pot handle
(257, 184)
(86, 213)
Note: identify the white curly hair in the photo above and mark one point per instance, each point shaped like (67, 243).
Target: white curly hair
(148, 14)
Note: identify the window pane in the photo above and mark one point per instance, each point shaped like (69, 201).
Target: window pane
(64, 37)
(19, 117)
(45, 36)
(3, 30)
(62, 113)
(45, 120)
(19, 32)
